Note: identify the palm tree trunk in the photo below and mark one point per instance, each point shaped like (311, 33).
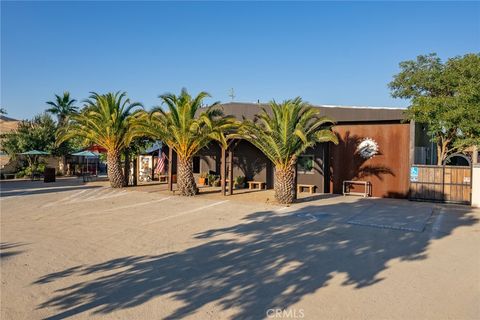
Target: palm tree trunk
(126, 173)
(185, 179)
(285, 185)
(115, 174)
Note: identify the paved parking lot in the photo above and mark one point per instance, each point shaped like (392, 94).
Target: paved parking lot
(79, 251)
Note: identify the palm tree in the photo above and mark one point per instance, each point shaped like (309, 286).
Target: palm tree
(187, 132)
(284, 134)
(108, 121)
(63, 108)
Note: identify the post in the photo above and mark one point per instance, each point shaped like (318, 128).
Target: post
(223, 166)
(230, 171)
(170, 165)
(135, 170)
(412, 143)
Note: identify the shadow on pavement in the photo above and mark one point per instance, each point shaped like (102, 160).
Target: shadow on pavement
(6, 252)
(270, 260)
(25, 187)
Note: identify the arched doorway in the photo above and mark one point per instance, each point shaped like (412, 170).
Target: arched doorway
(457, 159)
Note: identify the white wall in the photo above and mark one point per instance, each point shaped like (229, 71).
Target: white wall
(476, 186)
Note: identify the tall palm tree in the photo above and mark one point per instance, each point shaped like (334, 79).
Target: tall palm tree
(108, 120)
(63, 107)
(283, 133)
(187, 130)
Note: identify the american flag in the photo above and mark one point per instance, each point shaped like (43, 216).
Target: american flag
(160, 163)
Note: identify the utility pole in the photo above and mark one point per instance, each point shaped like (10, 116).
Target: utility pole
(231, 94)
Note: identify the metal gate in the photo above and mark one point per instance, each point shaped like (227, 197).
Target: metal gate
(441, 183)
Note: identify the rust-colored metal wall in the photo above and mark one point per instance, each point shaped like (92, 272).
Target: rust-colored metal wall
(388, 171)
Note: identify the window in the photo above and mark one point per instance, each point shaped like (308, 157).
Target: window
(305, 164)
(196, 164)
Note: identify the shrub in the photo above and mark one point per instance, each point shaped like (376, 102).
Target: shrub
(239, 182)
(20, 174)
(211, 179)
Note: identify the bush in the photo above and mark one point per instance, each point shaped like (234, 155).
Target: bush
(27, 171)
(239, 182)
(212, 179)
(20, 174)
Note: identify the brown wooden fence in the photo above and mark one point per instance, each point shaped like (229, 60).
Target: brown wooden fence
(441, 183)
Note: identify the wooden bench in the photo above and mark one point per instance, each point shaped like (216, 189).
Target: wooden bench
(254, 184)
(9, 175)
(310, 187)
(163, 178)
(366, 184)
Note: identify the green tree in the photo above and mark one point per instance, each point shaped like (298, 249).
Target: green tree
(35, 134)
(108, 120)
(187, 128)
(445, 96)
(284, 132)
(63, 107)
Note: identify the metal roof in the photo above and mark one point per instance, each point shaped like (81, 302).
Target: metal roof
(337, 113)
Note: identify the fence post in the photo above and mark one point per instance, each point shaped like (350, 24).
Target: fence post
(476, 185)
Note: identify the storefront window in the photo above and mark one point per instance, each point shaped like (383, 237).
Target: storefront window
(305, 164)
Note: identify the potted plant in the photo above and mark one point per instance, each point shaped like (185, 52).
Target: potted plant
(210, 179)
(239, 182)
(203, 179)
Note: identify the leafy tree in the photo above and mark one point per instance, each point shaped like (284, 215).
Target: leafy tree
(3, 111)
(35, 134)
(445, 96)
(63, 107)
(186, 132)
(108, 120)
(285, 133)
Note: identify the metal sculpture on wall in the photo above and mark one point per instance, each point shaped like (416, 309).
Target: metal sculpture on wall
(367, 148)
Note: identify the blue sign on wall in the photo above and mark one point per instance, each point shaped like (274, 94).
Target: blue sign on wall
(414, 174)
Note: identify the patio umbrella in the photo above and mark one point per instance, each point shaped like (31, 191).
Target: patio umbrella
(87, 154)
(35, 153)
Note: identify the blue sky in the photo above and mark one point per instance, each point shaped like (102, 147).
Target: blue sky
(327, 52)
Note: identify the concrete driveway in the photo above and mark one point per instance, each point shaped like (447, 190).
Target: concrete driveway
(79, 251)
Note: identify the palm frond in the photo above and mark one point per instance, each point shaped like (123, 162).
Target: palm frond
(108, 120)
(286, 130)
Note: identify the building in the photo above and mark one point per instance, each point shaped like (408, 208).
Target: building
(327, 165)
(7, 125)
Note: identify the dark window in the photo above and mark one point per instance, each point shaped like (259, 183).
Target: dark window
(196, 164)
(305, 164)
